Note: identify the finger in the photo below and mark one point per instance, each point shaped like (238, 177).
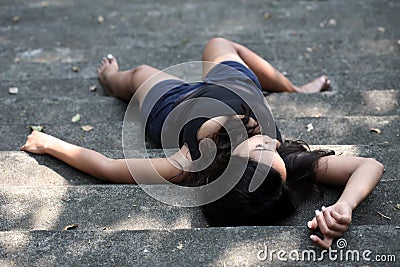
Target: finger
(326, 243)
(22, 148)
(312, 224)
(342, 219)
(323, 227)
(333, 224)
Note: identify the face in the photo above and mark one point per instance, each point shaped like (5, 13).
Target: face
(262, 149)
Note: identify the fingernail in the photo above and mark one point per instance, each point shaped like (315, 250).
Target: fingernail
(309, 224)
(323, 208)
(317, 212)
(313, 237)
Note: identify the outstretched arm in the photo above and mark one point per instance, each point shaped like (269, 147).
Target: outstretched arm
(102, 167)
(360, 176)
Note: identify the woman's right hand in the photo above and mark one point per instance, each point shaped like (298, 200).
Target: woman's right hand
(37, 143)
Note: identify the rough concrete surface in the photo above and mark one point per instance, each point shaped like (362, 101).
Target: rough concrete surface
(50, 51)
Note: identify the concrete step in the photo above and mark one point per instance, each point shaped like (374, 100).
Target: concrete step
(23, 110)
(156, 18)
(23, 169)
(347, 130)
(164, 58)
(239, 246)
(335, 104)
(80, 87)
(55, 110)
(93, 207)
(128, 207)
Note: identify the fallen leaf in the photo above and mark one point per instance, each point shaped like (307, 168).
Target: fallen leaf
(397, 206)
(100, 19)
(76, 118)
(37, 128)
(310, 127)
(13, 90)
(267, 16)
(375, 130)
(70, 227)
(87, 128)
(75, 69)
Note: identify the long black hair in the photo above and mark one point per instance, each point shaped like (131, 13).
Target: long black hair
(274, 199)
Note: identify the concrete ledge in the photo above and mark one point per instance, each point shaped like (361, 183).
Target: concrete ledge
(23, 169)
(347, 130)
(128, 207)
(33, 110)
(239, 246)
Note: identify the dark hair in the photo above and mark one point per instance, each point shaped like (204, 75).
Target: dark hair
(270, 202)
(274, 199)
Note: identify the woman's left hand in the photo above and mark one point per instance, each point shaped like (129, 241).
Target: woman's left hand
(333, 222)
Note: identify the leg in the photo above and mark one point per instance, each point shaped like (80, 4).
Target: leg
(219, 49)
(125, 84)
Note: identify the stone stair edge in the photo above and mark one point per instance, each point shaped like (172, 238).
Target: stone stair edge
(216, 228)
(96, 96)
(114, 185)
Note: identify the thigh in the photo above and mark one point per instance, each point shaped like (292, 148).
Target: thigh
(144, 78)
(218, 50)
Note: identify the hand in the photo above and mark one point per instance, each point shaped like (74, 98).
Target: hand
(37, 142)
(332, 221)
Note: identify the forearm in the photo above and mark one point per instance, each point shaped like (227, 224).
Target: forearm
(361, 183)
(83, 159)
(269, 77)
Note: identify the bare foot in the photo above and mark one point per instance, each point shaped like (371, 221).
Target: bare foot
(108, 66)
(320, 84)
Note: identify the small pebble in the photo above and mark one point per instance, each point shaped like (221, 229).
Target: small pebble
(16, 18)
(100, 19)
(381, 29)
(93, 88)
(332, 22)
(13, 90)
(75, 69)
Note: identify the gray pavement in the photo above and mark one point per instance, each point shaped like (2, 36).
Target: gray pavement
(356, 43)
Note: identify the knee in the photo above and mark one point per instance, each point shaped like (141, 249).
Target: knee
(140, 69)
(217, 40)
